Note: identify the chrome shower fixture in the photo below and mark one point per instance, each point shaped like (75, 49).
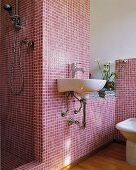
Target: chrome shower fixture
(8, 8)
(29, 43)
(15, 18)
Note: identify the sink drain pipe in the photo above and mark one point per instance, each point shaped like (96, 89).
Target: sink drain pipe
(84, 113)
(82, 124)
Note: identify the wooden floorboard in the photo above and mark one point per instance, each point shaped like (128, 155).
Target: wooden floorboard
(110, 158)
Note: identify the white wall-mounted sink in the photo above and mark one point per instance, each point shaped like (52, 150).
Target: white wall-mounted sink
(80, 86)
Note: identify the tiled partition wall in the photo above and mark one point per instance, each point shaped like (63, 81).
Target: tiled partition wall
(125, 92)
(62, 37)
(66, 40)
(17, 110)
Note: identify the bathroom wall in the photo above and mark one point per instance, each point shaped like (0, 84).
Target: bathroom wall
(112, 38)
(17, 110)
(112, 32)
(125, 92)
(64, 34)
(66, 40)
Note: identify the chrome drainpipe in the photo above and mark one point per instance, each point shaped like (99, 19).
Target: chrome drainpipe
(82, 125)
(84, 113)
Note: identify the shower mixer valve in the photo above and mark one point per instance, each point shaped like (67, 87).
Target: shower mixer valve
(29, 43)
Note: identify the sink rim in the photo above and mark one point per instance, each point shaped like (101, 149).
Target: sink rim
(79, 79)
(80, 86)
(84, 84)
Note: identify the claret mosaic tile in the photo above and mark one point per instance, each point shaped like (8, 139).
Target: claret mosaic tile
(17, 111)
(33, 130)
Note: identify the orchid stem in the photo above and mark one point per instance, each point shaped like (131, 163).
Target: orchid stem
(100, 68)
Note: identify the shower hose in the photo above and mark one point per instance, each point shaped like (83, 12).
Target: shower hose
(16, 62)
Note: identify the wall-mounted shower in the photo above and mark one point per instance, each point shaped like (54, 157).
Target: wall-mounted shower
(16, 78)
(14, 17)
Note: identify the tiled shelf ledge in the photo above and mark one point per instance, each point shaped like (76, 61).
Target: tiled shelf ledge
(96, 95)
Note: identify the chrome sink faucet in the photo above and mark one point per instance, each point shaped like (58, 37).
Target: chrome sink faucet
(74, 69)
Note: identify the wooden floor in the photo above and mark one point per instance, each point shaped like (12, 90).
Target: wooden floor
(111, 158)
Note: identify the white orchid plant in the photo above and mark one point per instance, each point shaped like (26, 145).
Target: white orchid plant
(106, 71)
(108, 75)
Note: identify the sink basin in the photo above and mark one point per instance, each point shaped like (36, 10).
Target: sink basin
(80, 86)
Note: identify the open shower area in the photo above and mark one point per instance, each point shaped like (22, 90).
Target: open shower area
(17, 83)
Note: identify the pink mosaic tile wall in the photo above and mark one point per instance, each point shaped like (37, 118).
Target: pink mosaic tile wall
(66, 40)
(125, 92)
(17, 111)
(67, 144)
(61, 37)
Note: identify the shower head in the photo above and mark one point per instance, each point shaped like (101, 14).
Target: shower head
(8, 8)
